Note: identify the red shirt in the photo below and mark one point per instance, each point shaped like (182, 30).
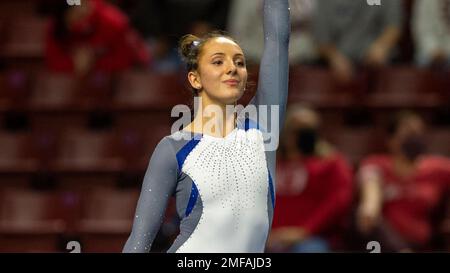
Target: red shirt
(106, 31)
(410, 201)
(313, 194)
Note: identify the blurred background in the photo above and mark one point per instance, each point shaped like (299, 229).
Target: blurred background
(86, 93)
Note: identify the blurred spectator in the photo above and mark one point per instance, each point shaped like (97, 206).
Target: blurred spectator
(164, 22)
(94, 36)
(400, 191)
(243, 27)
(431, 27)
(352, 33)
(314, 189)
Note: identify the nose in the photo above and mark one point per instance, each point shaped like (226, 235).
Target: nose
(231, 68)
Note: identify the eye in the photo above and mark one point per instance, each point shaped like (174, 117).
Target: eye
(240, 63)
(218, 62)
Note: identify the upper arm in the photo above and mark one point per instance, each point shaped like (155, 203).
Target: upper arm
(158, 186)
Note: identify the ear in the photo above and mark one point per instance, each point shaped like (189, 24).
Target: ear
(194, 80)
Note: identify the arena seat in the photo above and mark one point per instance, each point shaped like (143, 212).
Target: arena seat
(138, 144)
(85, 151)
(24, 37)
(14, 89)
(355, 143)
(95, 91)
(30, 221)
(57, 92)
(45, 145)
(53, 92)
(107, 217)
(56, 122)
(317, 87)
(404, 86)
(8, 9)
(147, 91)
(17, 155)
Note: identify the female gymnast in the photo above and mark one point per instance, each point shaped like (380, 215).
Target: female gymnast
(223, 182)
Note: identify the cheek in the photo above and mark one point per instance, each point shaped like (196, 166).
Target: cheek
(244, 76)
(211, 77)
(243, 73)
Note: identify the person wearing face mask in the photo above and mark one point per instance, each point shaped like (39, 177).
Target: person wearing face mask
(314, 188)
(400, 191)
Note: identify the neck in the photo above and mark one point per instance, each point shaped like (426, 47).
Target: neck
(213, 118)
(403, 166)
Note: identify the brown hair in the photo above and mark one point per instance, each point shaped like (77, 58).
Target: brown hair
(190, 47)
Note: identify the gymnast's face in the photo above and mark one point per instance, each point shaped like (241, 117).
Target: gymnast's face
(222, 72)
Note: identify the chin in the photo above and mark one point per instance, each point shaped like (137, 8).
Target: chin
(229, 96)
(233, 98)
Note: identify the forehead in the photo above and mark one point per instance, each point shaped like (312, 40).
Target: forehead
(221, 45)
(411, 125)
(304, 117)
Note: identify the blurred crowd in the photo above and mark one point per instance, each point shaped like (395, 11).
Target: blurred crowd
(325, 202)
(394, 197)
(344, 35)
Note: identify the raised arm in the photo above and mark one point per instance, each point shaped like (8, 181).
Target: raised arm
(426, 29)
(274, 67)
(159, 184)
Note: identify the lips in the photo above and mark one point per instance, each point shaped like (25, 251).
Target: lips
(232, 82)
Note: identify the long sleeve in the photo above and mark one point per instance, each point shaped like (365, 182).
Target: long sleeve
(272, 92)
(158, 186)
(274, 69)
(271, 95)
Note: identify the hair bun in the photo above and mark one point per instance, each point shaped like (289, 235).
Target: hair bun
(187, 44)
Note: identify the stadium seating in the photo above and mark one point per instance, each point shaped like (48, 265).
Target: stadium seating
(317, 86)
(404, 87)
(30, 221)
(107, 216)
(88, 134)
(87, 152)
(143, 91)
(24, 38)
(14, 90)
(17, 155)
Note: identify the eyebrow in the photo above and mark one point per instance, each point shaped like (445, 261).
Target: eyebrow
(220, 53)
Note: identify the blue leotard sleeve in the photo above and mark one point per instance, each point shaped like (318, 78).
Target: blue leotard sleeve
(158, 186)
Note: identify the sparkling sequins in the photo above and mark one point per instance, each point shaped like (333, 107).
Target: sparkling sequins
(232, 178)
